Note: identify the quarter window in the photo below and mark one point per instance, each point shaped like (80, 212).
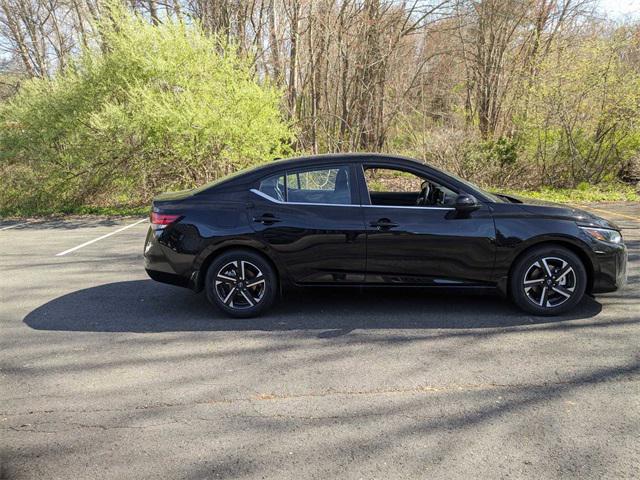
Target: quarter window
(274, 187)
(326, 185)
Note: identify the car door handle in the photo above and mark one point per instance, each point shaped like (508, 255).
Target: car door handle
(383, 224)
(267, 219)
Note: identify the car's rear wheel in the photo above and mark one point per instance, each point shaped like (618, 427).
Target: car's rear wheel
(241, 283)
(548, 280)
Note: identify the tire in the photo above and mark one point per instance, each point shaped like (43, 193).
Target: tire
(241, 283)
(548, 280)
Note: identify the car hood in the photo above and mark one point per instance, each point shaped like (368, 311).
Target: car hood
(566, 212)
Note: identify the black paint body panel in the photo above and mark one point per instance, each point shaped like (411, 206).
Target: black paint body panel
(430, 246)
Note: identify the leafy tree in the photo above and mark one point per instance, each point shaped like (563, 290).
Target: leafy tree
(158, 107)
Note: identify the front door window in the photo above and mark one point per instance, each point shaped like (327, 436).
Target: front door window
(401, 188)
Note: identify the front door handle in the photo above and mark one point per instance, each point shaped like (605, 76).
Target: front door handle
(267, 219)
(383, 224)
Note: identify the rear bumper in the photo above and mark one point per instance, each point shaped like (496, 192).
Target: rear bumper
(170, 278)
(610, 269)
(160, 268)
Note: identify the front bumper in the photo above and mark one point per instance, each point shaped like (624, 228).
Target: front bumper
(610, 268)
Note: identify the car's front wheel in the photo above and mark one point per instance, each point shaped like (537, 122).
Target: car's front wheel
(548, 280)
(241, 283)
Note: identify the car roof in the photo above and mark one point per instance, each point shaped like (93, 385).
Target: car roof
(328, 158)
(341, 157)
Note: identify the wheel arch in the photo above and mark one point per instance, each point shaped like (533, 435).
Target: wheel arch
(558, 242)
(208, 259)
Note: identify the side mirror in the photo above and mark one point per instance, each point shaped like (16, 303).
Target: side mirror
(466, 203)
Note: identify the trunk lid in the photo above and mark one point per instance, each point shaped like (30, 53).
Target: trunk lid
(173, 196)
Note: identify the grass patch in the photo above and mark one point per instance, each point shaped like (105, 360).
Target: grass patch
(75, 210)
(583, 193)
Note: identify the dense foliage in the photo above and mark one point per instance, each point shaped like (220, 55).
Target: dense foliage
(161, 107)
(583, 119)
(122, 102)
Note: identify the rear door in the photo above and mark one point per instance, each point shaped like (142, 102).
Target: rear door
(428, 244)
(311, 219)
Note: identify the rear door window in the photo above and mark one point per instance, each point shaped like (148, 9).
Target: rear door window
(331, 186)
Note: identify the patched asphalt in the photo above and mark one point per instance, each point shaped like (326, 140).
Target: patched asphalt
(107, 374)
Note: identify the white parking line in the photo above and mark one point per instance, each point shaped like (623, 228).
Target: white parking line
(99, 238)
(15, 225)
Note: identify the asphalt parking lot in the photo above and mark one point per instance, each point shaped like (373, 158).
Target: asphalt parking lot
(106, 374)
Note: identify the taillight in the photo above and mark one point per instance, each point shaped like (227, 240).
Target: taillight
(161, 220)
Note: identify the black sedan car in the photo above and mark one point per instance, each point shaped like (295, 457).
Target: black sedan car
(375, 220)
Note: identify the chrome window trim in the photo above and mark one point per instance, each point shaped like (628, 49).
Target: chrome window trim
(279, 202)
(271, 199)
(404, 206)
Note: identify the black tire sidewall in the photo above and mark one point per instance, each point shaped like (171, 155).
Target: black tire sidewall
(517, 276)
(260, 262)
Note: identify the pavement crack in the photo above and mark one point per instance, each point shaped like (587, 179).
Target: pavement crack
(35, 427)
(272, 397)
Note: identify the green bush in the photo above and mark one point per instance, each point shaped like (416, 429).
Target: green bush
(157, 107)
(583, 112)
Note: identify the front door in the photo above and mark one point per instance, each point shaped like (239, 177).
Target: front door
(312, 222)
(415, 236)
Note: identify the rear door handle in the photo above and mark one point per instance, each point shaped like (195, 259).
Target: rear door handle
(383, 224)
(267, 219)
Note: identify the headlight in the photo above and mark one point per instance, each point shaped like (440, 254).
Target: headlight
(603, 234)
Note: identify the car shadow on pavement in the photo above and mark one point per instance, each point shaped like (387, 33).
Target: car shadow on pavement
(145, 306)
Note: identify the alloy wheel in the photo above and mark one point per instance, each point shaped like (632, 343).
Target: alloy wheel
(240, 284)
(549, 282)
